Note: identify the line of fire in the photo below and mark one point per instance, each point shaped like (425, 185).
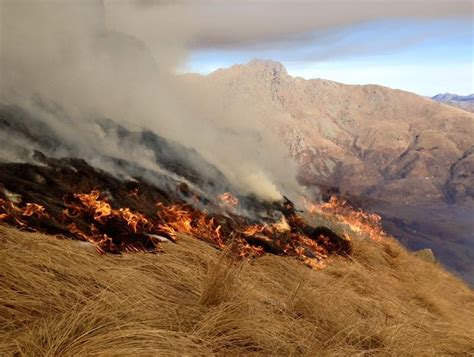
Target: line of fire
(72, 200)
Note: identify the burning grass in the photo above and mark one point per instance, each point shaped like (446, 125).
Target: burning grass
(358, 221)
(69, 198)
(90, 217)
(57, 299)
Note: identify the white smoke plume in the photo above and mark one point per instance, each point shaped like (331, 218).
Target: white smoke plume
(117, 59)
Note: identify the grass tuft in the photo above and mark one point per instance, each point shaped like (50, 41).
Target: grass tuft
(57, 298)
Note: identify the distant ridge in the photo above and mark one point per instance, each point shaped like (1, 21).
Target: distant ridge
(465, 102)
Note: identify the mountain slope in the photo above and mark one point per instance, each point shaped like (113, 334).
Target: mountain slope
(367, 140)
(465, 102)
(192, 300)
(399, 154)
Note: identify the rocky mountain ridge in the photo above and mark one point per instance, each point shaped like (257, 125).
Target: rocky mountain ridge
(401, 155)
(364, 139)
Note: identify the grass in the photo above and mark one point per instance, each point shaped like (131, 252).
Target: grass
(59, 298)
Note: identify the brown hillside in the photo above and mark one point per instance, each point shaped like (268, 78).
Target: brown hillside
(367, 140)
(401, 155)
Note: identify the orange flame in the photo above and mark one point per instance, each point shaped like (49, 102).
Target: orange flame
(181, 218)
(33, 209)
(126, 224)
(228, 200)
(9, 212)
(357, 220)
(90, 218)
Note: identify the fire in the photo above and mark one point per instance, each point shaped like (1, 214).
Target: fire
(18, 216)
(253, 229)
(246, 250)
(34, 209)
(284, 239)
(101, 210)
(182, 218)
(228, 200)
(282, 225)
(91, 217)
(357, 220)
(131, 229)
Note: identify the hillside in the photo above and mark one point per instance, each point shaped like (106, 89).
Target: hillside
(59, 298)
(367, 140)
(401, 155)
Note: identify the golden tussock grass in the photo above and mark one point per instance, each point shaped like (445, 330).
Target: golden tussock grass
(59, 298)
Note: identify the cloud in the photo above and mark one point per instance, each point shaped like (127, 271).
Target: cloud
(230, 24)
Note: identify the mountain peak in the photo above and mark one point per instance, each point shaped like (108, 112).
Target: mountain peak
(267, 65)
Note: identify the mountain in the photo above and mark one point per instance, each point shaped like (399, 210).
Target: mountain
(406, 156)
(464, 102)
(403, 156)
(446, 97)
(364, 139)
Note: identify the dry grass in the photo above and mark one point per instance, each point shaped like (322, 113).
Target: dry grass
(57, 298)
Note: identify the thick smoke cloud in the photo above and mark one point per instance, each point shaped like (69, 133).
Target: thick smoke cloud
(116, 59)
(224, 24)
(61, 62)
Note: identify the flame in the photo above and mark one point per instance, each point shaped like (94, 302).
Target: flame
(34, 209)
(102, 212)
(91, 218)
(228, 200)
(131, 229)
(356, 219)
(18, 216)
(100, 209)
(246, 250)
(182, 218)
(282, 225)
(290, 241)
(253, 229)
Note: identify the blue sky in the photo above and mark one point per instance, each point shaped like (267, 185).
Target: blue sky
(425, 57)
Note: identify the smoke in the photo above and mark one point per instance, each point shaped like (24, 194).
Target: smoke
(72, 62)
(224, 24)
(61, 62)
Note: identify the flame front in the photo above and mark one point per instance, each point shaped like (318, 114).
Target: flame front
(356, 219)
(88, 217)
(131, 229)
(182, 218)
(18, 216)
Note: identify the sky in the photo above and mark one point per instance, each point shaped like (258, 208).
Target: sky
(422, 56)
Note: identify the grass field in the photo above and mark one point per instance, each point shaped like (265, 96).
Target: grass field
(58, 297)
